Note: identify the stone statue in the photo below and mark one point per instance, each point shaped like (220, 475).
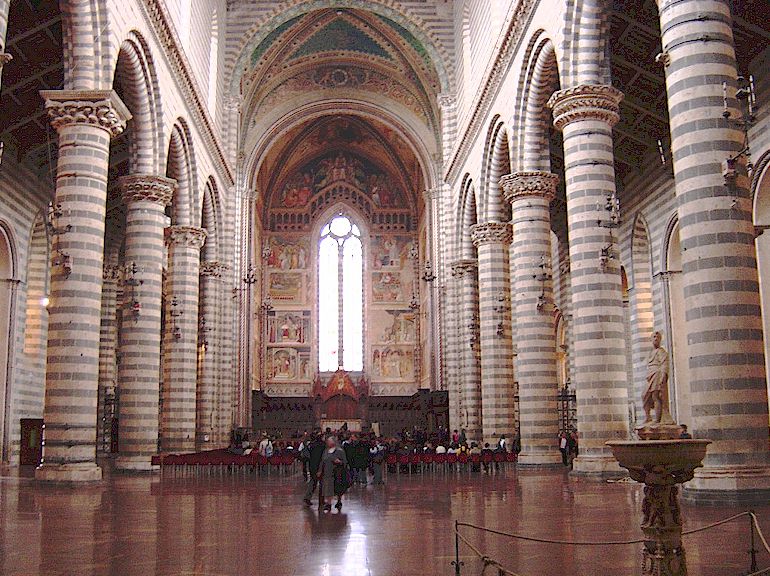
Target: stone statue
(656, 395)
(657, 418)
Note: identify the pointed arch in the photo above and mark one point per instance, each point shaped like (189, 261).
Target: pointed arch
(136, 81)
(180, 165)
(539, 80)
(210, 221)
(497, 163)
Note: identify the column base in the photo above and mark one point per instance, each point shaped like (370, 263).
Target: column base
(69, 473)
(729, 485)
(135, 464)
(598, 468)
(539, 460)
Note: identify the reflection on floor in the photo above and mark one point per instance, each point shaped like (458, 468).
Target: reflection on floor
(142, 526)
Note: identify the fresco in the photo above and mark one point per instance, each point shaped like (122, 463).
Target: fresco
(335, 168)
(286, 287)
(392, 363)
(390, 252)
(394, 326)
(289, 328)
(282, 364)
(283, 254)
(386, 287)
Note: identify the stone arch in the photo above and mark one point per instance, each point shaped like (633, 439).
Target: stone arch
(86, 36)
(679, 382)
(181, 166)
(37, 280)
(405, 127)
(210, 221)
(642, 310)
(291, 9)
(496, 164)
(585, 49)
(761, 193)
(135, 74)
(8, 278)
(468, 217)
(538, 81)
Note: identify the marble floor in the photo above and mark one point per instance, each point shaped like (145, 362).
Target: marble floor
(142, 526)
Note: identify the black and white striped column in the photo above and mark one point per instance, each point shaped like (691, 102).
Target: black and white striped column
(85, 122)
(108, 343)
(586, 114)
(492, 241)
(209, 350)
(466, 274)
(180, 339)
(530, 195)
(145, 197)
(728, 393)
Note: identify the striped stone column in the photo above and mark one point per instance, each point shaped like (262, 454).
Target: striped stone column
(180, 339)
(108, 343)
(209, 351)
(719, 272)
(145, 197)
(492, 241)
(466, 272)
(586, 114)
(530, 195)
(227, 386)
(455, 334)
(85, 122)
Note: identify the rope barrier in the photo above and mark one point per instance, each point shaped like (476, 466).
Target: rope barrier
(487, 561)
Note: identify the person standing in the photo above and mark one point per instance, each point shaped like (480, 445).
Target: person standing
(333, 474)
(315, 452)
(563, 448)
(377, 457)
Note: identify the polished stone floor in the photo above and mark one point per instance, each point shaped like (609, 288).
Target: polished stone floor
(140, 526)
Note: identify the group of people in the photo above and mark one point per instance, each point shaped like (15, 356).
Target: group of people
(332, 466)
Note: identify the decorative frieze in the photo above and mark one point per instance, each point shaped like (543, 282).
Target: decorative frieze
(462, 267)
(586, 102)
(147, 188)
(190, 236)
(523, 184)
(491, 233)
(213, 269)
(102, 108)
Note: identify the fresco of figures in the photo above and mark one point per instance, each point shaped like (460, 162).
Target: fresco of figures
(339, 167)
(392, 363)
(285, 254)
(394, 326)
(289, 327)
(288, 364)
(287, 287)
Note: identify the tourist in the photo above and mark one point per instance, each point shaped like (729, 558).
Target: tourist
(333, 474)
(377, 458)
(684, 434)
(501, 444)
(303, 454)
(441, 449)
(563, 448)
(455, 437)
(463, 440)
(476, 451)
(265, 446)
(315, 452)
(360, 460)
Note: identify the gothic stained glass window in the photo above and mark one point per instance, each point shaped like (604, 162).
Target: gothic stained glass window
(340, 297)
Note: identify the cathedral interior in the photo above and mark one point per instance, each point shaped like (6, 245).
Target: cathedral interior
(383, 217)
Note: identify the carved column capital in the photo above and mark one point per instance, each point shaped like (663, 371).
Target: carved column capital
(186, 236)
(585, 102)
(446, 100)
(111, 273)
(101, 108)
(523, 184)
(491, 233)
(462, 267)
(146, 188)
(213, 269)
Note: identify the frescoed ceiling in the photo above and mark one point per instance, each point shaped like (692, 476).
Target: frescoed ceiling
(373, 145)
(336, 50)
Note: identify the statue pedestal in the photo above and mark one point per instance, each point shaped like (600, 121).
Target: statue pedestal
(661, 465)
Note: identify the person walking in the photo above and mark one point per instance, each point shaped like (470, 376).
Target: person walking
(377, 457)
(333, 474)
(315, 452)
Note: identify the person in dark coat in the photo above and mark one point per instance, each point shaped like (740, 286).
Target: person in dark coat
(315, 452)
(360, 460)
(333, 474)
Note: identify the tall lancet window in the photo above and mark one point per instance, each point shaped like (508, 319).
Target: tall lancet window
(340, 297)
